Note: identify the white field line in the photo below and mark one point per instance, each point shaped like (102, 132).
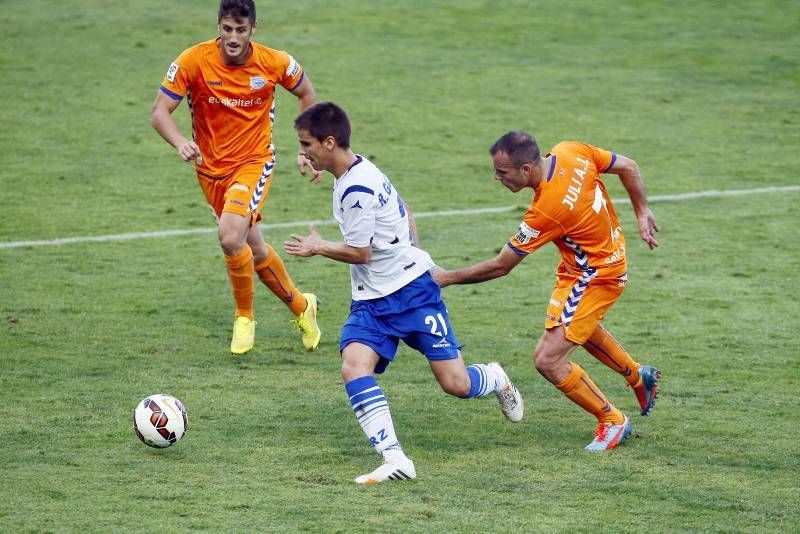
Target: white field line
(445, 213)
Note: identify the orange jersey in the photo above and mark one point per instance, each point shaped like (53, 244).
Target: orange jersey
(571, 208)
(232, 106)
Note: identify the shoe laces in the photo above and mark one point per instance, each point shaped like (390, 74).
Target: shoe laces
(242, 326)
(302, 323)
(507, 397)
(601, 432)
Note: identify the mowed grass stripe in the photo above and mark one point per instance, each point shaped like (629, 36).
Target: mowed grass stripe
(445, 213)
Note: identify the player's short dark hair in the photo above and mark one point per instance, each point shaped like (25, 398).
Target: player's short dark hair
(239, 9)
(323, 120)
(520, 147)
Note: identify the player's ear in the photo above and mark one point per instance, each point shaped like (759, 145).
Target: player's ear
(329, 142)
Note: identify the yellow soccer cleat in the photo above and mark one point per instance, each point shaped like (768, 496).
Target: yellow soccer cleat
(244, 335)
(307, 323)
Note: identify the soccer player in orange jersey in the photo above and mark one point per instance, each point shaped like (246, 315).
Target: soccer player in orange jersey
(229, 84)
(571, 209)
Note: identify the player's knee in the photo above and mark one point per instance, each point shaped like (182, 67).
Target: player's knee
(260, 254)
(543, 361)
(352, 370)
(231, 243)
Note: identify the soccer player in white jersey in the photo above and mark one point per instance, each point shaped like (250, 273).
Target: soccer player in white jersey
(394, 295)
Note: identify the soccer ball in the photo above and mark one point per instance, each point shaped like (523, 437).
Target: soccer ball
(160, 420)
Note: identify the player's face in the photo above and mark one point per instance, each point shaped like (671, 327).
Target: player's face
(313, 150)
(235, 36)
(508, 174)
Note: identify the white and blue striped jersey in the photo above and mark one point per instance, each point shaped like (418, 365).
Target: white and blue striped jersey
(370, 212)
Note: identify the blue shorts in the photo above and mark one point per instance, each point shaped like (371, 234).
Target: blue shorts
(415, 313)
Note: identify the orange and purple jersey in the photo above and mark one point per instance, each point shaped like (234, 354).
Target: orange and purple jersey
(571, 208)
(232, 106)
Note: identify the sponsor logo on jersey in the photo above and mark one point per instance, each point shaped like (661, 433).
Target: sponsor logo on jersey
(172, 71)
(236, 102)
(257, 82)
(356, 205)
(240, 187)
(214, 82)
(526, 233)
(293, 68)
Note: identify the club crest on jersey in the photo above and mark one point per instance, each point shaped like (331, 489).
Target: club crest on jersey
(526, 233)
(172, 71)
(293, 68)
(257, 82)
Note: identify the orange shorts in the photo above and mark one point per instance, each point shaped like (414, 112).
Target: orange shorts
(243, 191)
(579, 303)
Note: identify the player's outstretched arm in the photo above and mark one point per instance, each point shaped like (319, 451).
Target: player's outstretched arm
(313, 245)
(631, 178)
(164, 124)
(480, 272)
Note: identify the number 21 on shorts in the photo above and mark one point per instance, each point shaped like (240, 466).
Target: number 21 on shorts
(431, 321)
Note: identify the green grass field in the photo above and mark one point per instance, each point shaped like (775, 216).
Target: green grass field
(703, 95)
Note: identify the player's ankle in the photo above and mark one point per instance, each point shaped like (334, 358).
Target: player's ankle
(395, 456)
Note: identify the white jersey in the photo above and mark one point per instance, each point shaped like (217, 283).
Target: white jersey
(370, 212)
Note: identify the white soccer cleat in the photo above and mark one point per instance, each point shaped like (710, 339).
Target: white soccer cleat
(608, 436)
(389, 471)
(510, 399)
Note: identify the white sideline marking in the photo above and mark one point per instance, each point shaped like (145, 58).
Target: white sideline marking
(420, 215)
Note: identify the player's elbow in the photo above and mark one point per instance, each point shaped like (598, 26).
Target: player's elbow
(502, 269)
(362, 255)
(501, 266)
(626, 167)
(156, 117)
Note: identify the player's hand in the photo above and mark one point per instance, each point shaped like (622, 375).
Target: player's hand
(303, 245)
(648, 228)
(303, 163)
(188, 150)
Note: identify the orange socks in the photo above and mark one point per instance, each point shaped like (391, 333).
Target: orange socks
(240, 271)
(580, 389)
(605, 348)
(273, 273)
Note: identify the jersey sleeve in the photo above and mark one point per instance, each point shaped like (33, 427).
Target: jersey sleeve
(535, 230)
(291, 73)
(603, 159)
(176, 81)
(359, 209)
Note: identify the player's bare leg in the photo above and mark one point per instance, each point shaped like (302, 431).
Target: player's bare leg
(233, 230)
(479, 380)
(272, 272)
(372, 412)
(551, 359)
(642, 378)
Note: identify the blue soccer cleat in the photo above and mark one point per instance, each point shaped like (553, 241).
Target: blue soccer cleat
(646, 390)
